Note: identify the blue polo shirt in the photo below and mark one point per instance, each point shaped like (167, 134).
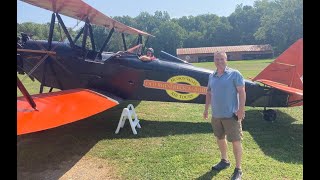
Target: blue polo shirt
(224, 94)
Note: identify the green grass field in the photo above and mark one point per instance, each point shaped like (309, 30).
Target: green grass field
(173, 143)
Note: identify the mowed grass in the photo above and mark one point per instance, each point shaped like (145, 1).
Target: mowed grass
(174, 141)
(33, 87)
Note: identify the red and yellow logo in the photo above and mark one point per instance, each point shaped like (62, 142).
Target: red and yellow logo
(178, 84)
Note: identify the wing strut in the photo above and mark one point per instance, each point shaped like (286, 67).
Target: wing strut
(65, 30)
(107, 40)
(139, 39)
(26, 94)
(145, 44)
(124, 42)
(53, 18)
(78, 35)
(85, 35)
(91, 37)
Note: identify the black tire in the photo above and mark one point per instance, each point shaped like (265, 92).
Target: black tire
(269, 115)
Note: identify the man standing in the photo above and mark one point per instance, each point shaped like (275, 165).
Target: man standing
(227, 96)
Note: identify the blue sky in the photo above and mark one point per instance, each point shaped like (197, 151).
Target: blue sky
(175, 8)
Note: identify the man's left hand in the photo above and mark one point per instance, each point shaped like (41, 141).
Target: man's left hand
(241, 114)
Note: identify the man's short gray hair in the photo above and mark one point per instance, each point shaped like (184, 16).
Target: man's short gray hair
(221, 53)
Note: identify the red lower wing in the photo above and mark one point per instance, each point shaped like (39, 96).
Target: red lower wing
(59, 108)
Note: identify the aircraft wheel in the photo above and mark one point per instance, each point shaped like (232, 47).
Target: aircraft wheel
(269, 115)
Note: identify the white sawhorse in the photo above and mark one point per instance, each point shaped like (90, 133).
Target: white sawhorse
(128, 112)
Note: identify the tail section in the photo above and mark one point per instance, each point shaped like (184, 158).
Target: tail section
(287, 70)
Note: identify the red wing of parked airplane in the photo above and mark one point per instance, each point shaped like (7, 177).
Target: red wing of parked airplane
(94, 80)
(59, 108)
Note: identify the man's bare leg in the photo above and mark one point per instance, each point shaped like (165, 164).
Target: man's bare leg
(223, 147)
(237, 151)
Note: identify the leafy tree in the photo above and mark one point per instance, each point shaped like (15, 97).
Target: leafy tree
(170, 36)
(275, 22)
(100, 34)
(193, 39)
(282, 24)
(41, 31)
(245, 21)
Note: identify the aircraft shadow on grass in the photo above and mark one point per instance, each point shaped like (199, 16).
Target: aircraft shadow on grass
(208, 175)
(37, 152)
(281, 140)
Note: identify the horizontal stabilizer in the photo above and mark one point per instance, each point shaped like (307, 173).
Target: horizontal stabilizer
(59, 108)
(282, 87)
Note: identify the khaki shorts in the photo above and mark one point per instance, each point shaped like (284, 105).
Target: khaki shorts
(227, 126)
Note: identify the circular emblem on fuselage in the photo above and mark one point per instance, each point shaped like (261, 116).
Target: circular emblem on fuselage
(183, 80)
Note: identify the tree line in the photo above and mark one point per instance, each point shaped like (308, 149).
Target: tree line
(278, 22)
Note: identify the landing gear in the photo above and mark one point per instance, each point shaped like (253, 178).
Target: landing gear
(269, 115)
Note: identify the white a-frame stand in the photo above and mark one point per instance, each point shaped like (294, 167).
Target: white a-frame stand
(128, 112)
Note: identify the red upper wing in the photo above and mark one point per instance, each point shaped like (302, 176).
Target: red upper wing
(80, 10)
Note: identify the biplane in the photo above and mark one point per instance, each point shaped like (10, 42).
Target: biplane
(94, 80)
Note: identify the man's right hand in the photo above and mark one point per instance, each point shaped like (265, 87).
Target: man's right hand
(205, 114)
